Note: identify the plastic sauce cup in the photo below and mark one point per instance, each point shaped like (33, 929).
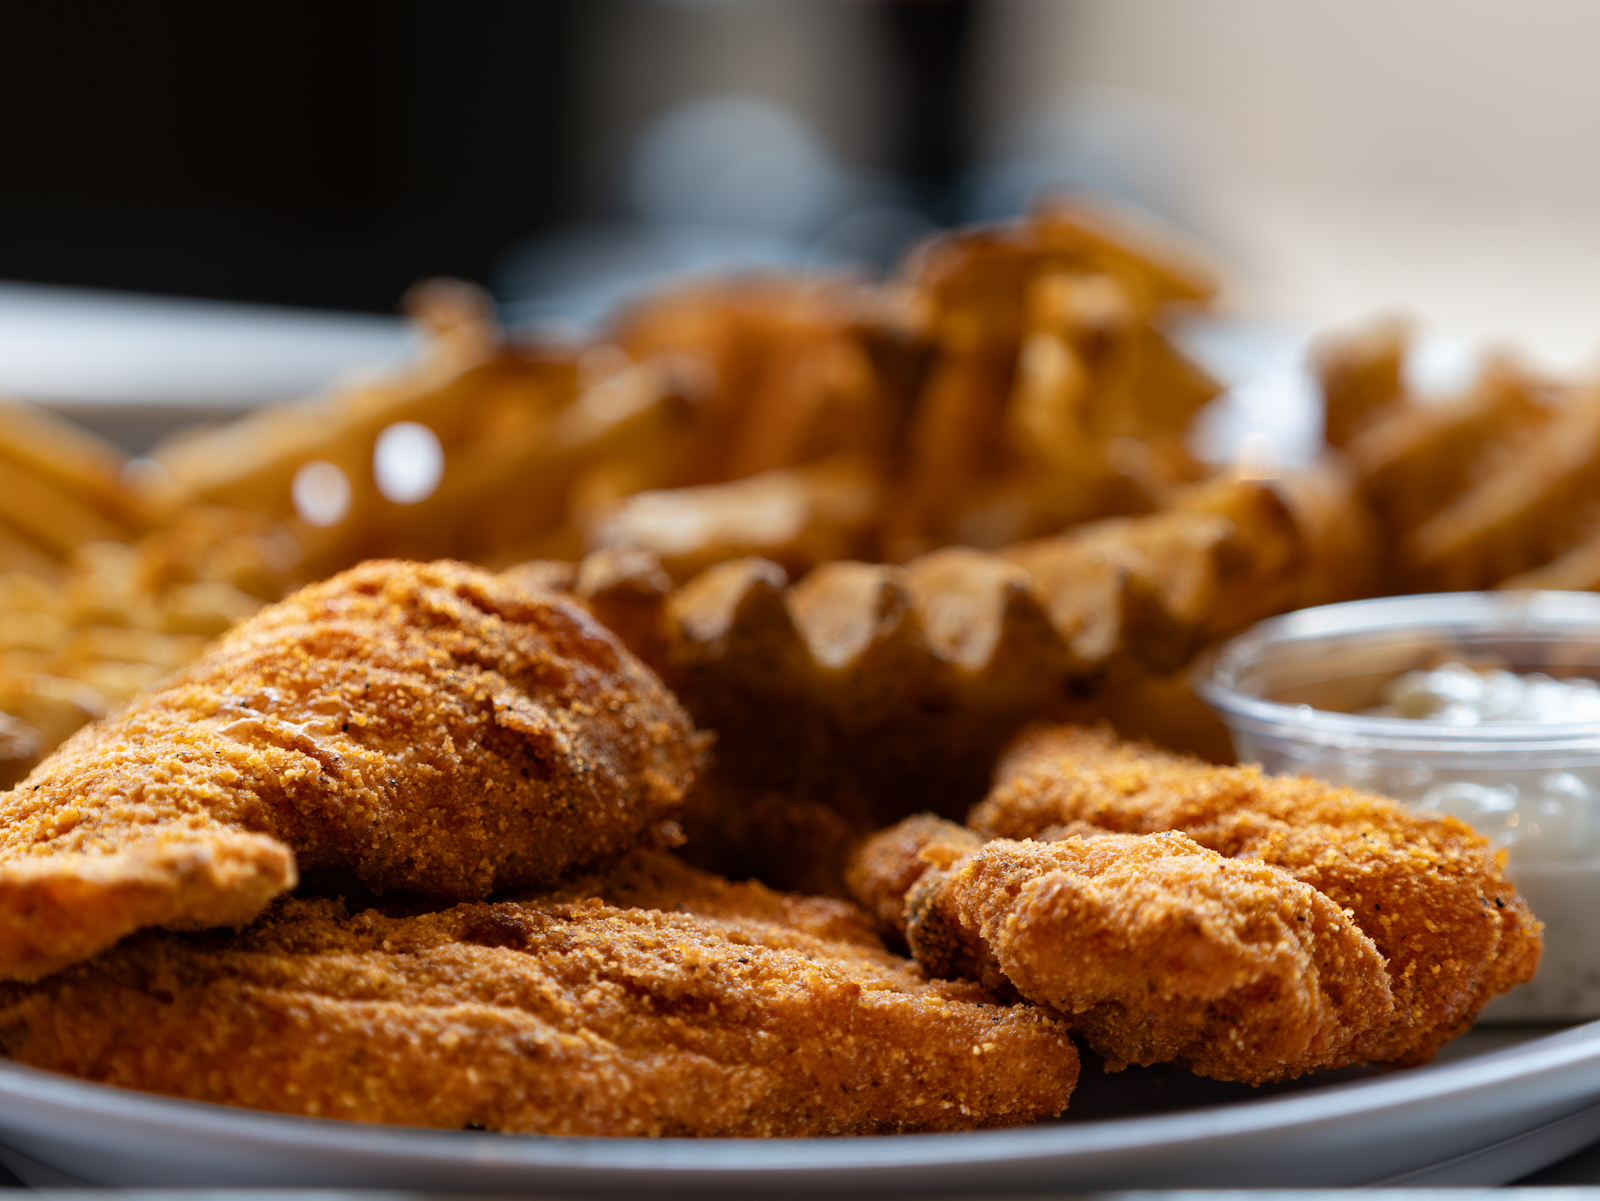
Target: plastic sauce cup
(1291, 691)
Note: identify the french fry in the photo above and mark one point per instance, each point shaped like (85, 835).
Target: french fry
(1529, 508)
(1415, 459)
(797, 516)
(53, 705)
(21, 555)
(50, 515)
(1360, 373)
(70, 462)
(1163, 269)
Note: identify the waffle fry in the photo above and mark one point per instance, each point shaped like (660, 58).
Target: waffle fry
(1415, 459)
(1529, 507)
(1045, 351)
(864, 684)
(1576, 569)
(783, 369)
(1360, 372)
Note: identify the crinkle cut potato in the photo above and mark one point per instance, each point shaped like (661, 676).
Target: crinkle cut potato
(430, 727)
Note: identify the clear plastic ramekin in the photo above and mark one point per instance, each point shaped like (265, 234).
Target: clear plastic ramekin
(1291, 691)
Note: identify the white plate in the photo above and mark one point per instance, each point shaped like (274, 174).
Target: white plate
(1503, 1103)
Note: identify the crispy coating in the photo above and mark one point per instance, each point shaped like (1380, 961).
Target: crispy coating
(430, 727)
(656, 879)
(549, 1016)
(1426, 890)
(890, 863)
(1149, 946)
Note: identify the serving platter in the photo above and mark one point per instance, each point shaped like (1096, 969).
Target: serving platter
(1499, 1103)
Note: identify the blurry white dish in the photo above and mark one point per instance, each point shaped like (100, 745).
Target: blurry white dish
(1493, 1110)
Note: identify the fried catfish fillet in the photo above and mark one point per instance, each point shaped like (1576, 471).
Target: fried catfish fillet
(430, 727)
(1426, 890)
(1148, 945)
(550, 1016)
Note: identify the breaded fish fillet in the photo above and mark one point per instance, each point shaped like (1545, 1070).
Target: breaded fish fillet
(1149, 946)
(1426, 890)
(549, 1016)
(656, 879)
(431, 727)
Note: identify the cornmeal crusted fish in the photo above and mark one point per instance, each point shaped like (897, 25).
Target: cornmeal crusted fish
(757, 1016)
(431, 727)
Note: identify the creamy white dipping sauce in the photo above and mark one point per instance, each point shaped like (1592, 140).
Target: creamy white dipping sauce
(1514, 754)
(1460, 696)
(1554, 818)
(1548, 823)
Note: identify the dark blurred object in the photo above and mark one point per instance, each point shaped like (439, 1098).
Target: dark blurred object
(929, 46)
(847, 144)
(329, 153)
(306, 152)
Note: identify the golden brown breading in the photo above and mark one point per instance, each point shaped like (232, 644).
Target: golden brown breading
(1426, 890)
(1149, 946)
(426, 726)
(656, 879)
(889, 864)
(546, 1017)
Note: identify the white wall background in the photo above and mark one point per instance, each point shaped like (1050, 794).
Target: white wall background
(1436, 156)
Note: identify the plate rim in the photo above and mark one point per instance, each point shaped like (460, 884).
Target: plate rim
(1556, 1054)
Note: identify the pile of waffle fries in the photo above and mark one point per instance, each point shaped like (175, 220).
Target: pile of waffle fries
(906, 514)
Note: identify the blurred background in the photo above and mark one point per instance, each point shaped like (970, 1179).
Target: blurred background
(1335, 158)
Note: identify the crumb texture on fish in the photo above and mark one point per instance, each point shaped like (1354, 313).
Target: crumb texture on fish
(1427, 890)
(1150, 947)
(547, 1016)
(430, 727)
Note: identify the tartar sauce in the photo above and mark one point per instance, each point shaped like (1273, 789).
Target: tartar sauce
(1555, 818)
(1461, 696)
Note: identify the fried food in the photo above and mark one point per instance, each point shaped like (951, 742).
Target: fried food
(721, 1014)
(1425, 889)
(1576, 569)
(1531, 507)
(790, 369)
(117, 616)
(426, 726)
(895, 687)
(50, 705)
(527, 436)
(21, 747)
(1361, 373)
(63, 486)
(794, 842)
(1044, 355)
(1416, 459)
(1149, 946)
(1152, 589)
(796, 516)
(886, 867)
(651, 878)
